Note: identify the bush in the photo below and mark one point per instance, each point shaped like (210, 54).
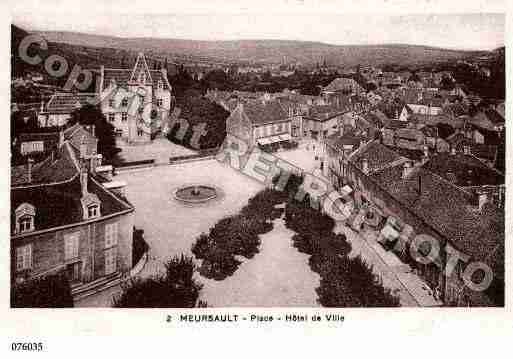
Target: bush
(139, 246)
(175, 289)
(345, 282)
(52, 291)
(237, 235)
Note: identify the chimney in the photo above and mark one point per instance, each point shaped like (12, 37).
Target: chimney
(30, 162)
(83, 180)
(365, 166)
(482, 200)
(407, 169)
(83, 148)
(93, 162)
(61, 138)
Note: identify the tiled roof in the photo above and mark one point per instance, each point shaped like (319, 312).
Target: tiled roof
(68, 102)
(61, 169)
(261, 113)
(341, 84)
(447, 209)
(376, 154)
(323, 112)
(465, 169)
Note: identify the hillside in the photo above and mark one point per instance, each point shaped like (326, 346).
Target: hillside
(269, 51)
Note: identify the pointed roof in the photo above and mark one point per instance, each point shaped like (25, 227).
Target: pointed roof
(141, 72)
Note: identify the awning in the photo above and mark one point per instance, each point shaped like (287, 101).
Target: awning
(346, 189)
(263, 141)
(269, 140)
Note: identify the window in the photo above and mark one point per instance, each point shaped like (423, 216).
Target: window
(111, 117)
(24, 257)
(119, 132)
(159, 85)
(74, 272)
(111, 102)
(26, 223)
(124, 116)
(71, 245)
(159, 102)
(25, 214)
(111, 234)
(124, 102)
(140, 132)
(92, 211)
(110, 260)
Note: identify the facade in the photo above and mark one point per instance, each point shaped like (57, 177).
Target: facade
(322, 121)
(64, 218)
(136, 101)
(264, 123)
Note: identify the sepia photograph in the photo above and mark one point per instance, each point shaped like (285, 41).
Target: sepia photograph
(227, 160)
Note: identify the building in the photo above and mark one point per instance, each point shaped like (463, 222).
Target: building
(342, 85)
(59, 109)
(414, 201)
(263, 123)
(136, 101)
(64, 218)
(322, 121)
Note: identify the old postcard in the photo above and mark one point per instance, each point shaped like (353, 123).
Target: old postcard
(254, 167)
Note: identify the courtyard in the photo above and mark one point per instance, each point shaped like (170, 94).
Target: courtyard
(279, 275)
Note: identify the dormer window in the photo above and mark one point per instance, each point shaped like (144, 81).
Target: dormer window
(26, 224)
(142, 77)
(25, 214)
(92, 211)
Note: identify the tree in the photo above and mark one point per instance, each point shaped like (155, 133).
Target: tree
(52, 291)
(447, 83)
(176, 288)
(91, 115)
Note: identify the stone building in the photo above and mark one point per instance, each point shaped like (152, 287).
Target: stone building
(64, 218)
(136, 101)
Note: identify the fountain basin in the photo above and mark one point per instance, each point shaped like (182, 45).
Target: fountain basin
(195, 193)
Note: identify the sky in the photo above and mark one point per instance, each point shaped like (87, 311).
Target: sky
(449, 30)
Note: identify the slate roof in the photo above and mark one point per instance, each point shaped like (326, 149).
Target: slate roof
(55, 191)
(122, 76)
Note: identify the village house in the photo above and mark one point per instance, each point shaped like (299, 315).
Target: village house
(263, 123)
(413, 200)
(342, 85)
(63, 218)
(139, 100)
(322, 121)
(59, 109)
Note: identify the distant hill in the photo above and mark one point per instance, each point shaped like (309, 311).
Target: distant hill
(268, 51)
